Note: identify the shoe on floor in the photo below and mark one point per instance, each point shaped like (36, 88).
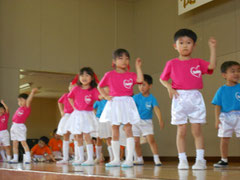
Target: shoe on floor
(13, 161)
(221, 164)
(127, 164)
(138, 163)
(199, 165)
(77, 163)
(183, 164)
(88, 163)
(113, 164)
(62, 162)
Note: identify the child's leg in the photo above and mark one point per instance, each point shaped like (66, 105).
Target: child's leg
(88, 140)
(79, 149)
(8, 151)
(115, 146)
(130, 144)
(198, 138)
(65, 148)
(3, 154)
(27, 152)
(15, 151)
(110, 151)
(154, 148)
(98, 148)
(224, 148)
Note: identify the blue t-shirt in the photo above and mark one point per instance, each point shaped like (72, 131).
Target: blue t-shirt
(145, 105)
(99, 105)
(228, 97)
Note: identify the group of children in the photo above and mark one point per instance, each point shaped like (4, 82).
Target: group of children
(117, 108)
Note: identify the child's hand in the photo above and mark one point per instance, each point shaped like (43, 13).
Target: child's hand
(109, 98)
(2, 101)
(138, 62)
(62, 114)
(161, 124)
(34, 90)
(212, 42)
(217, 124)
(172, 93)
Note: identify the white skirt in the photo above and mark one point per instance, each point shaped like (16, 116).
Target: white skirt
(82, 122)
(63, 124)
(104, 130)
(120, 110)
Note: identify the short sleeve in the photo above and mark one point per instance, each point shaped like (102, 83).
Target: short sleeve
(72, 92)
(204, 67)
(217, 98)
(105, 80)
(95, 105)
(61, 99)
(33, 150)
(154, 101)
(166, 74)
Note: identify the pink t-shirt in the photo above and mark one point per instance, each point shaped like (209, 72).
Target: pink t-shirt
(186, 74)
(21, 115)
(83, 98)
(67, 106)
(4, 121)
(120, 84)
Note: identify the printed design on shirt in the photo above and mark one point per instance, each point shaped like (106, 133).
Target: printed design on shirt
(20, 113)
(195, 71)
(148, 105)
(237, 95)
(128, 83)
(3, 119)
(88, 99)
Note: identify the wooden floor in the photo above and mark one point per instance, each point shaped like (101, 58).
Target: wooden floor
(169, 171)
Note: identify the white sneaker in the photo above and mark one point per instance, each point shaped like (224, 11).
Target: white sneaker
(62, 162)
(13, 161)
(199, 165)
(138, 163)
(77, 163)
(183, 164)
(113, 164)
(88, 163)
(127, 164)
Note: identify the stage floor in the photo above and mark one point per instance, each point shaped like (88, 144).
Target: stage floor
(51, 171)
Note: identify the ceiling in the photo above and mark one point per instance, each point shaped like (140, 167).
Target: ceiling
(50, 85)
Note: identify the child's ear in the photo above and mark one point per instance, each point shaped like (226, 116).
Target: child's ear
(150, 86)
(175, 46)
(224, 75)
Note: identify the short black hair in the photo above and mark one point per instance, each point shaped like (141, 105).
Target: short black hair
(148, 79)
(23, 95)
(44, 139)
(119, 53)
(185, 32)
(2, 106)
(228, 64)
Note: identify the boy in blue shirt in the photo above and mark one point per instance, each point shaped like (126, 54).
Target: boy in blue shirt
(227, 108)
(146, 103)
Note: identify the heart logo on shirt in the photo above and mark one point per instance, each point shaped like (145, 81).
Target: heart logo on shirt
(237, 95)
(195, 71)
(128, 83)
(3, 119)
(148, 105)
(20, 113)
(88, 98)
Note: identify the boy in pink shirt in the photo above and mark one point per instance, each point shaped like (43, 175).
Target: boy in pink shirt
(187, 102)
(18, 130)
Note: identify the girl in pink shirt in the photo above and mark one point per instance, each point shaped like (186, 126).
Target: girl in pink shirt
(121, 108)
(83, 120)
(65, 109)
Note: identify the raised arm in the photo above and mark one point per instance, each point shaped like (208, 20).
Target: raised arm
(5, 106)
(159, 116)
(217, 114)
(212, 46)
(172, 92)
(30, 97)
(138, 66)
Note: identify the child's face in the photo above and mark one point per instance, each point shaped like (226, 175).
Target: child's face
(41, 143)
(2, 111)
(56, 136)
(121, 62)
(184, 45)
(144, 87)
(85, 78)
(232, 74)
(22, 102)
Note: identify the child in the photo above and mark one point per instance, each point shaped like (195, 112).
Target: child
(83, 120)
(65, 109)
(55, 145)
(121, 108)
(186, 75)
(227, 108)
(4, 134)
(18, 130)
(146, 103)
(104, 131)
(41, 152)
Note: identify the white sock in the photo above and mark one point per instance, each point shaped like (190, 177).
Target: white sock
(98, 152)
(140, 159)
(76, 154)
(156, 159)
(130, 149)
(3, 155)
(15, 157)
(65, 150)
(90, 152)
(225, 160)
(8, 157)
(116, 150)
(80, 151)
(110, 152)
(135, 157)
(28, 155)
(182, 156)
(200, 154)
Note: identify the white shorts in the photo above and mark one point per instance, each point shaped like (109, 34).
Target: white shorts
(230, 122)
(120, 110)
(188, 105)
(18, 132)
(143, 128)
(104, 130)
(4, 138)
(63, 125)
(82, 122)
